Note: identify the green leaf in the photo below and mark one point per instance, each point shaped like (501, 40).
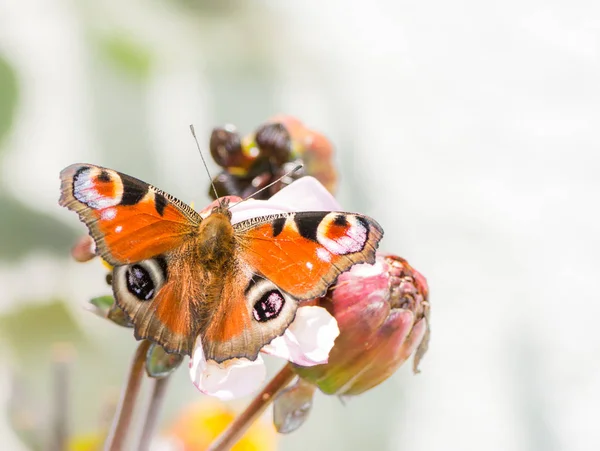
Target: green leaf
(103, 304)
(8, 97)
(23, 230)
(32, 329)
(127, 55)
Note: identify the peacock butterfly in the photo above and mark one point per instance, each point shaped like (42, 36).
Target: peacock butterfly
(178, 275)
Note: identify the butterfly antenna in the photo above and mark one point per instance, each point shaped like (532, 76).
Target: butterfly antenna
(268, 186)
(204, 163)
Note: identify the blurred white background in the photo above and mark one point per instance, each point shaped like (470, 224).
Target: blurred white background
(469, 129)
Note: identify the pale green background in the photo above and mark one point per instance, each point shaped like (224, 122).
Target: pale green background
(469, 129)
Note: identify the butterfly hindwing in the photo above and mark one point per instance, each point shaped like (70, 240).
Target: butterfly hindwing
(303, 253)
(129, 220)
(251, 312)
(172, 300)
(164, 297)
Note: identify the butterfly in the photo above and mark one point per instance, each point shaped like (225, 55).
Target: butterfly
(179, 276)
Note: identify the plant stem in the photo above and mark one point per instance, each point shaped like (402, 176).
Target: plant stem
(240, 425)
(122, 420)
(62, 356)
(156, 401)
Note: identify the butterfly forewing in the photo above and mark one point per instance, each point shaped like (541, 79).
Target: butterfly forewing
(303, 253)
(129, 220)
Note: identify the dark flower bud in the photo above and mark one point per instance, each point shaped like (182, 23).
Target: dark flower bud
(274, 142)
(226, 148)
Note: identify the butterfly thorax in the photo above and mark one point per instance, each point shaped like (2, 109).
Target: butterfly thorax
(215, 240)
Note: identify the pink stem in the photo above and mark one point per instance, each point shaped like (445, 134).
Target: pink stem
(259, 404)
(122, 420)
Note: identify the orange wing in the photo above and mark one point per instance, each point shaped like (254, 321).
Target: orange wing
(129, 220)
(303, 253)
(147, 235)
(164, 297)
(280, 259)
(173, 299)
(248, 314)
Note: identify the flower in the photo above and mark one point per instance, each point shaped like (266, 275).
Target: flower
(383, 315)
(310, 337)
(307, 342)
(86, 442)
(199, 424)
(84, 250)
(274, 149)
(313, 148)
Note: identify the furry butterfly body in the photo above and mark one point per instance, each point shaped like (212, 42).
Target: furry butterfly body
(179, 275)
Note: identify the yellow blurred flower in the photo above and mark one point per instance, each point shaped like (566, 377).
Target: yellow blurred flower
(86, 442)
(194, 429)
(200, 424)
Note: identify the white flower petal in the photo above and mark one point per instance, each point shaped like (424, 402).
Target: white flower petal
(197, 361)
(167, 444)
(308, 340)
(228, 380)
(305, 194)
(366, 270)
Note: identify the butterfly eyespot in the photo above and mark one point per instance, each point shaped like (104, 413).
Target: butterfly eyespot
(139, 283)
(268, 306)
(342, 234)
(97, 188)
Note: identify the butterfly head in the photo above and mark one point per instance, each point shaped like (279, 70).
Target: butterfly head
(222, 208)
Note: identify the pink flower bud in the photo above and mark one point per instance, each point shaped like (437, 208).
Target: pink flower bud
(84, 250)
(313, 148)
(382, 311)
